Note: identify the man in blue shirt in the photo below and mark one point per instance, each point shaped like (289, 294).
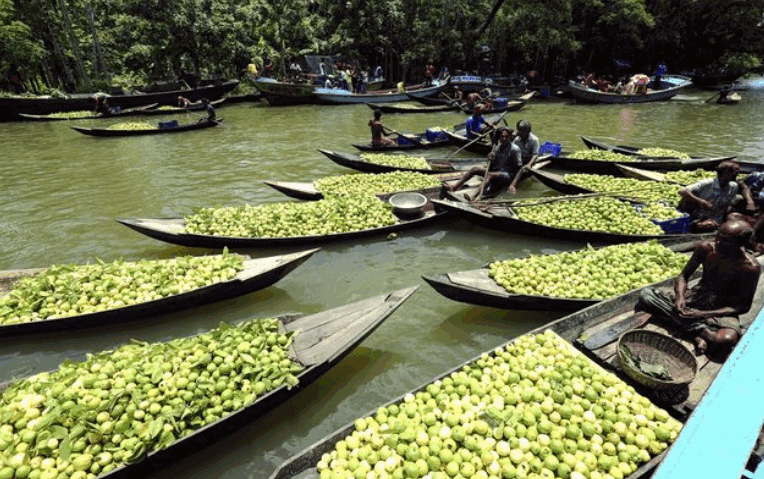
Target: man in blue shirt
(476, 124)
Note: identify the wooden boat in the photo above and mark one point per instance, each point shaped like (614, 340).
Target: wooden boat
(436, 165)
(435, 100)
(640, 174)
(408, 108)
(307, 192)
(324, 339)
(105, 132)
(730, 99)
(172, 230)
(594, 144)
(512, 105)
(335, 96)
(674, 84)
(503, 218)
(11, 107)
(482, 146)
(476, 287)
(257, 274)
(278, 93)
(564, 161)
(413, 141)
(557, 182)
(594, 331)
(196, 106)
(92, 116)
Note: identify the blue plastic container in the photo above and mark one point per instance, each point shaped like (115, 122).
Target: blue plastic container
(678, 225)
(500, 102)
(164, 125)
(403, 141)
(435, 135)
(553, 149)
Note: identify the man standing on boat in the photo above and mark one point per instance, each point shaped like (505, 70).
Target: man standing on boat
(711, 310)
(708, 201)
(504, 170)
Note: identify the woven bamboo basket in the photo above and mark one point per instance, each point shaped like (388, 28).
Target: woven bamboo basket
(657, 348)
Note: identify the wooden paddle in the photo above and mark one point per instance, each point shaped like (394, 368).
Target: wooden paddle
(556, 199)
(478, 138)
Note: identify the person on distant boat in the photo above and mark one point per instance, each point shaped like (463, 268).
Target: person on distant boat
(429, 72)
(267, 66)
(102, 106)
(211, 115)
(378, 131)
(458, 94)
(183, 102)
(660, 70)
(503, 172)
(528, 143)
(708, 201)
(473, 99)
(476, 124)
(710, 312)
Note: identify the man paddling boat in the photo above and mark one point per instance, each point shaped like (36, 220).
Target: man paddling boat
(504, 169)
(710, 311)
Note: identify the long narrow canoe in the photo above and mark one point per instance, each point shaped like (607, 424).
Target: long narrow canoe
(257, 274)
(594, 331)
(322, 341)
(564, 161)
(306, 190)
(503, 218)
(437, 165)
(408, 108)
(92, 116)
(477, 287)
(594, 144)
(640, 174)
(674, 84)
(105, 132)
(482, 146)
(197, 106)
(173, 230)
(512, 105)
(557, 182)
(412, 141)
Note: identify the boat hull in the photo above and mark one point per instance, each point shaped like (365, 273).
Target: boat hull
(107, 133)
(285, 94)
(340, 97)
(582, 94)
(11, 107)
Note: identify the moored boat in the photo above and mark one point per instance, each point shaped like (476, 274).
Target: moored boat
(108, 133)
(594, 144)
(565, 161)
(320, 341)
(11, 107)
(173, 230)
(478, 288)
(278, 93)
(480, 146)
(409, 108)
(591, 333)
(510, 105)
(257, 274)
(436, 165)
(674, 84)
(504, 218)
(91, 115)
(336, 96)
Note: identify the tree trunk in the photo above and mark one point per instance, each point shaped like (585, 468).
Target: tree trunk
(99, 66)
(82, 76)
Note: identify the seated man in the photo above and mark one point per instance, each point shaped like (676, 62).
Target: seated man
(504, 170)
(378, 131)
(476, 124)
(710, 311)
(528, 143)
(708, 201)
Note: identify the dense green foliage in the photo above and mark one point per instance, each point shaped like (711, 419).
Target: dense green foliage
(90, 44)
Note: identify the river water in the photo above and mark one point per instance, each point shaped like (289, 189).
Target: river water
(61, 192)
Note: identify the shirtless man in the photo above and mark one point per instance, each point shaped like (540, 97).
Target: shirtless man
(710, 311)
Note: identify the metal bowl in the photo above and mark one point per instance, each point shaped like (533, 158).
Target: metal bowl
(408, 204)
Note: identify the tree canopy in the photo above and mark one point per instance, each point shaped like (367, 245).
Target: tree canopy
(90, 44)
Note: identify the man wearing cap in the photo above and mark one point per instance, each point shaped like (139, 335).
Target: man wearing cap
(708, 201)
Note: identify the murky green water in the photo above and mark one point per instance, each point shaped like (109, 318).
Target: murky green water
(61, 192)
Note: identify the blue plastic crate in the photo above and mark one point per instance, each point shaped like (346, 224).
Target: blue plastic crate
(403, 141)
(163, 125)
(500, 102)
(435, 135)
(553, 149)
(678, 225)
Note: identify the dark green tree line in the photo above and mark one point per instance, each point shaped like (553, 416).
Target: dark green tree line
(90, 44)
